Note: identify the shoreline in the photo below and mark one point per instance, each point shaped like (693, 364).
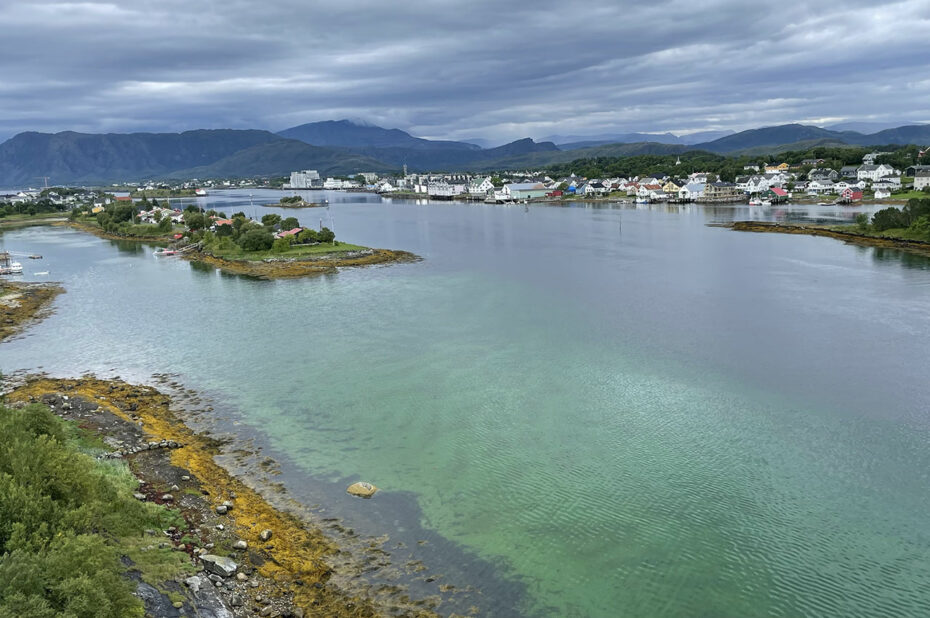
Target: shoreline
(293, 570)
(22, 304)
(289, 268)
(273, 268)
(866, 240)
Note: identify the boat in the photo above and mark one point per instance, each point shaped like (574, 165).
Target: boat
(8, 266)
(755, 202)
(35, 256)
(200, 192)
(164, 252)
(43, 273)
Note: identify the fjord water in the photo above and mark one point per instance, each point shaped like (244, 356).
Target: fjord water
(610, 411)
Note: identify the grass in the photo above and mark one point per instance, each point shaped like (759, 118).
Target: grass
(901, 233)
(295, 251)
(38, 215)
(909, 195)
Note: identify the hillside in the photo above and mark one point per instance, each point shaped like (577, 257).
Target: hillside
(398, 148)
(349, 134)
(70, 157)
(280, 158)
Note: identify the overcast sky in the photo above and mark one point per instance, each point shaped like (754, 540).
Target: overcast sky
(441, 69)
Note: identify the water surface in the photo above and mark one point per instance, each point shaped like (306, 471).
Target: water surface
(593, 410)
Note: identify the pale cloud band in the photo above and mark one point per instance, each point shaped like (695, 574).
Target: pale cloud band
(456, 70)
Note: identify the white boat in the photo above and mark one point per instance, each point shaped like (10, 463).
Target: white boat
(12, 268)
(164, 252)
(200, 192)
(755, 202)
(43, 273)
(8, 266)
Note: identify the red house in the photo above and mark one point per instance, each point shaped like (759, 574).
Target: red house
(851, 195)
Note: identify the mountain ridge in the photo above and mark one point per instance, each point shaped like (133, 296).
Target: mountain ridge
(70, 157)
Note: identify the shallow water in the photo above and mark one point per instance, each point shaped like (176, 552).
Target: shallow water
(586, 410)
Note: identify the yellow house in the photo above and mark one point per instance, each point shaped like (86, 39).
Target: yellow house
(781, 167)
(670, 187)
(97, 209)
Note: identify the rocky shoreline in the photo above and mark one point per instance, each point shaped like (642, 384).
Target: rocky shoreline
(24, 303)
(912, 246)
(286, 268)
(246, 557)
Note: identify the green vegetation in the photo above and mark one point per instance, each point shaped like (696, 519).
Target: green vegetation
(66, 519)
(246, 239)
(727, 168)
(295, 199)
(42, 206)
(911, 222)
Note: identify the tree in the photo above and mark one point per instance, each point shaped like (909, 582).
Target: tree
(888, 219)
(307, 236)
(165, 225)
(271, 220)
(326, 235)
(290, 223)
(256, 240)
(224, 230)
(194, 220)
(281, 245)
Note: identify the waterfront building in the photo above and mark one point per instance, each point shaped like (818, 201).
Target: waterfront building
(306, 179)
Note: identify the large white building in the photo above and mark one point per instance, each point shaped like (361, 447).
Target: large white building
(921, 180)
(306, 179)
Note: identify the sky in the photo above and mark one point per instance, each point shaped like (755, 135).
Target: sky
(498, 70)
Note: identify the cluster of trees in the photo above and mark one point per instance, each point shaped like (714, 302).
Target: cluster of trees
(31, 208)
(914, 217)
(294, 199)
(61, 517)
(727, 168)
(252, 236)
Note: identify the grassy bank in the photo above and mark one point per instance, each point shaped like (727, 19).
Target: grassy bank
(286, 266)
(66, 520)
(888, 239)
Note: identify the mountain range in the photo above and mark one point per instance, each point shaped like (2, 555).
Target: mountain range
(345, 147)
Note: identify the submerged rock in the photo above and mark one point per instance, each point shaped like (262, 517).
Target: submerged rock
(362, 489)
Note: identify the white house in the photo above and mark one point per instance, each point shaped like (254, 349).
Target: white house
(874, 172)
(691, 191)
(821, 187)
(921, 180)
(480, 186)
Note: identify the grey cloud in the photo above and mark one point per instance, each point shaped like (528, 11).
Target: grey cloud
(448, 69)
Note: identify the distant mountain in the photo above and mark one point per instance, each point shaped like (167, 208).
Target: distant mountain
(398, 148)
(70, 157)
(539, 159)
(703, 136)
(574, 142)
(911, 134)
(350, 134)
(775, 139)
(863, 127)
(770, 137)
(281, 157)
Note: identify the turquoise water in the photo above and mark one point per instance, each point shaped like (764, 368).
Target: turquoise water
(593, 411)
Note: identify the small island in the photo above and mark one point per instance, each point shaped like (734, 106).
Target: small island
(906, 228)
(295, 201)
(273, 248)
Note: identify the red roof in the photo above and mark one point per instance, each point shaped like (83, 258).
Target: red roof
(779, 192)
(177, 236)
(293, 232)
(124, 199)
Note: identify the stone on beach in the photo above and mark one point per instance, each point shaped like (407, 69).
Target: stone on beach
(219, 565)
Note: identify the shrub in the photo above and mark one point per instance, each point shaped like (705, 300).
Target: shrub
(326, 235)
(889, 218)
(256, 240)
(280, 245)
